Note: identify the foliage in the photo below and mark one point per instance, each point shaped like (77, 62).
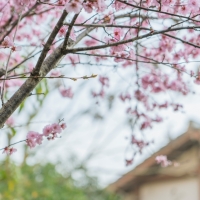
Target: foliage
(43, 182)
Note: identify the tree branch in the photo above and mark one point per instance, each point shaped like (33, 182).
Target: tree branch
(152, 33)
(24, 91)
(159, 11)
(49, 42)
(69, 31)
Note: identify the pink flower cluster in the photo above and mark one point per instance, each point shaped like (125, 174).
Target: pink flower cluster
(33, 138)
(138, 146)
(104, 83)
(49, 131)
(170, 6)
(8, 43)
(98, 5)
(124, 97)
(9, 151)
(158, 84)
(163, 161)
(22, 4)
(74, 6)
(139, 143)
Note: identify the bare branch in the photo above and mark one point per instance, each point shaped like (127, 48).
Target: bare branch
(69, 31)
(159, 11)
(152, 33)
(49, 42)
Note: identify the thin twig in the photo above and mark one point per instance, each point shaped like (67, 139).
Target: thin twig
(6, 70)
(51, 77)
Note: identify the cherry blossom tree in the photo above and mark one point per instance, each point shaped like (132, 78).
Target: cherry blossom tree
(155, 43)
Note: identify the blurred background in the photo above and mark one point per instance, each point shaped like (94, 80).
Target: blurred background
(92, 149)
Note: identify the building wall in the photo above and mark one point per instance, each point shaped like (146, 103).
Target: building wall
(178, 188)
(182, 189)
(185, 188)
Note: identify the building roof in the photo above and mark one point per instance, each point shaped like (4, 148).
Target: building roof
(149, 170)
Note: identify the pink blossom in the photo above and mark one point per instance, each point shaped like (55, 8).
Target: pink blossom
(47, 130)
(30, 67)
(148, 3)
(73, 6)
(101, 5)
(124, 97)
(163, 161)
(50, 131)
(146, 80)
(140, 96)
(176, 107)
(61, 2)
(119, 6)
(33, 138)
(88, 6)
(191, 73)
(98, 58)
(10, 121)
(36, 32)
(13, 83)
(74, 59)
(195, 5)
(197, 81)
(39, 139)
(22, 4)
(66, 92)
(62, 31)
(6, 150)
(2, 56)
(184, 9)
(116, 48)
(120, 56)
(158, 119)
(55, 74)
(130, 62)
(146, 124)
(32, 135)
(118, 33)
(177, 57)
(90, 42)
(63, 126)
(158, 87)
(14, 48)
(9, 151)
(139, 143)
(12, 150)
(100, 94)
(129, 162)
(7, 42)
(165, 105)
(104, 81)
(56, 128)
